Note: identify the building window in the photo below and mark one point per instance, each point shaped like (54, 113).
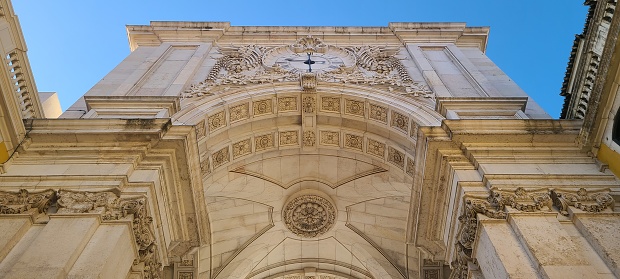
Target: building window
(615, 133)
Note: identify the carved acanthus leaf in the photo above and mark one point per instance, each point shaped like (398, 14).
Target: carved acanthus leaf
(589, 201)
(22, 201)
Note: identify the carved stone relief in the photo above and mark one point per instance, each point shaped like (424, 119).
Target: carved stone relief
(330, 138)
(254, 64)
(309, 138)
(354, 107)
(589, 201)
(22, 201)
(396, 157)
(289, 138)
(353, 141)
(287, 104)
(83, 202)
(239, 112)
(375, 148)
(263, 142)
(308, 81)
(217, 120)
(242, 148)
(220, 157)
(262, 107)
(400, 121)
(330, 104)
(309, 215)
(309, 104)
(378, 113)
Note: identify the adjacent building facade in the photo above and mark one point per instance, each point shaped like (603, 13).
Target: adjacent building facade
(219, 151)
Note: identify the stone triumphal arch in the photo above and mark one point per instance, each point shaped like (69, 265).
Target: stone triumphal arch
(218, 151)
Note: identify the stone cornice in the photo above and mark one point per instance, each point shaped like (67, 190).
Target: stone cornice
(395, 33)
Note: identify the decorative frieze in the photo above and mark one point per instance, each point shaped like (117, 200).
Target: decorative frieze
(239, 112)
(220, 157)
(309, 138)
(261, 107)
(396, 157)
(521, 199)
(217, 120)
(89, 202)
(375, 148)
(353, 141)
(330, 138)
(589, 201)
(378, 113)
(400, 121)
(330, 104)
(263, 142)
(287, 104)
(354, 107)
(242, 148)
(22, 201)
(289, 138)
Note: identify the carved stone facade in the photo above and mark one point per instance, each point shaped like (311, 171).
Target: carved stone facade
(218, 151)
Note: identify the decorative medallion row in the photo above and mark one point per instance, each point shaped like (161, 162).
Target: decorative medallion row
(295, 138)
(521, 200)
(109, 204)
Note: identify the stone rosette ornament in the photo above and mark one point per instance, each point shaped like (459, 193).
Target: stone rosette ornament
(309, 215)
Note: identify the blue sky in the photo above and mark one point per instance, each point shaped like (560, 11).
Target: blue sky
(74, 44)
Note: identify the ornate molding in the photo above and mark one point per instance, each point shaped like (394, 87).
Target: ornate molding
(23, 201)
(493, 206)
(309, 215)
(254, 64)
(589, 201)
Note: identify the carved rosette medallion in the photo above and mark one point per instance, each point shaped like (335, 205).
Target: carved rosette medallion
(309, 215)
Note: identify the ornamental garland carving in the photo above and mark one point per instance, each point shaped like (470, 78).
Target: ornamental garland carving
(309, 215)
(254, 64)
(522, 199)
(23, 201)
(589, 201)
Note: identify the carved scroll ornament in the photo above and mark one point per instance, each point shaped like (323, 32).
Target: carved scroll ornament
(589, 201)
